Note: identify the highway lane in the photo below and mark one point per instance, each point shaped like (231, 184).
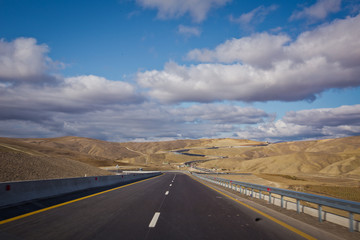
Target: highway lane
(172, 206)
(193, 211)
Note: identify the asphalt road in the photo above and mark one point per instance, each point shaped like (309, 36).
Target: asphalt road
(171, 206)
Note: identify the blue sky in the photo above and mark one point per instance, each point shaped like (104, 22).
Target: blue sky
(148, 70)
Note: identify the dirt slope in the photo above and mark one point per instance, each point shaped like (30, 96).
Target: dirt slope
(332, 157)
(17, 162)
(88, 146)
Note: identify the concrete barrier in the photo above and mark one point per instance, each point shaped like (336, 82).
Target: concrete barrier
(17, 192)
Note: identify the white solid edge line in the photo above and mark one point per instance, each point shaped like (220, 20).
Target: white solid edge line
(154, 220)
(167, 192)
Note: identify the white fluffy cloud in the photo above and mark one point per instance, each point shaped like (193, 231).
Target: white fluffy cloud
(257, 50)
(197, 9)
(324, 58)
(71, 95)
(94, 106)
(23, 59)
(320, 10)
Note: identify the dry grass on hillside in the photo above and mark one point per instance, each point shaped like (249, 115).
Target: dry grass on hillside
(332, 157)
(93, 147)
(17, 166)
(329, 157)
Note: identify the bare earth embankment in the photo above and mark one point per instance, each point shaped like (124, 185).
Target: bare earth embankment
(22, 162)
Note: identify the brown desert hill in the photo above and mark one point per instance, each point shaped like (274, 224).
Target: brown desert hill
(154, 147)
(328, 157)
(331, 157)
(93, 147)
(159, 152)
(31, 147)
(21, 161)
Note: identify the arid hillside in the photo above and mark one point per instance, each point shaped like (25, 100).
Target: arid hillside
(46, 158)
(329, 157)
(23, 161)
(88, 146)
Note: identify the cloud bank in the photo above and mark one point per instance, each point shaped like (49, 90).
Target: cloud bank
(306, 124)
(260, 67)
(264, 67)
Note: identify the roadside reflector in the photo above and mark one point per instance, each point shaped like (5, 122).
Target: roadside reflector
(8, 187)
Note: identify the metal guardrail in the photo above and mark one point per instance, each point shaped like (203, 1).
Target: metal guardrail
(349, 206)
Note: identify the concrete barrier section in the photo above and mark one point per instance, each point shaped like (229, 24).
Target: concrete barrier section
(17, 192)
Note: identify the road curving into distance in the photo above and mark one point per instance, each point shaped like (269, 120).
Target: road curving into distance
(170, 206)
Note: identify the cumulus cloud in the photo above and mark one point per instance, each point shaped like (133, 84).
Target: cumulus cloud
(255, 16)
(198, 9)
(324, 58)
(72, 95)
(94, 106)
(23, 60)
(189, 31)
(306, 124)
(320, 10)
(29, 92)
(258, 50)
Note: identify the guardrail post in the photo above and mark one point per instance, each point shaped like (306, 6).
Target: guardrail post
(246, 191)
(269, 197)
(259, 194)
(351, 222)
(252, 192)
(298, 206)
(282, 201)
(320, 212)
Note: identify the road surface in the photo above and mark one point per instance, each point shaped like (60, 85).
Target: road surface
(170, 206)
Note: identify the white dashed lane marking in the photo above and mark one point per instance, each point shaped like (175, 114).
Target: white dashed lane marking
(154, 220)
